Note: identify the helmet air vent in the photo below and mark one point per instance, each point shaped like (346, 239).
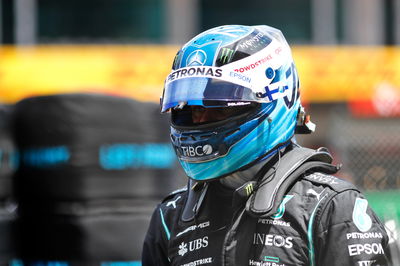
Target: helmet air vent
(232, 132)
(206, 136)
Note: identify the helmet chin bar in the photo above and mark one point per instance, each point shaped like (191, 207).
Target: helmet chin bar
(304, 124)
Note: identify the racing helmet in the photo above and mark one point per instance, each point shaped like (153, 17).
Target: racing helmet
(233, 94)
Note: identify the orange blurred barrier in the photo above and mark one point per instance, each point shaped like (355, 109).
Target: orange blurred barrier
(327, 73)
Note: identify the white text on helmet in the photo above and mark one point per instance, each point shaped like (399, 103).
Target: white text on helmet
(240, 76)
(254, 65)
(194, 71)
(196, 151)
(252, 41)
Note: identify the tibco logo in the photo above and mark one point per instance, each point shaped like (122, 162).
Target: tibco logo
(197, 151)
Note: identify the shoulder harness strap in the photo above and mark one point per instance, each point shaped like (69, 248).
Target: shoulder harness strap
(295, 163)
(196, 194)
(173, 193)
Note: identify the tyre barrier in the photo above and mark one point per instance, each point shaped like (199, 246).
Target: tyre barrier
(90, 146)
(91, 170)
(69, 263)
(7, 236)
(7, 169)
(7, 152)
(84, 234)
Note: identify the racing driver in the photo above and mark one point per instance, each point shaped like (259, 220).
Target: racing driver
(254, 196)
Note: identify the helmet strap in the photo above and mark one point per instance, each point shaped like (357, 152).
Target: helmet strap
(304, 124)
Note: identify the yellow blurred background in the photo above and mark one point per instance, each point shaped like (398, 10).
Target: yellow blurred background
(326, 72)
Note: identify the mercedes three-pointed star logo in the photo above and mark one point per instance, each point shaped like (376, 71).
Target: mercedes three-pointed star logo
(196, 58)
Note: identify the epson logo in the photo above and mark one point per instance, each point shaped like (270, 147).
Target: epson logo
(358, 249)
(197, 151)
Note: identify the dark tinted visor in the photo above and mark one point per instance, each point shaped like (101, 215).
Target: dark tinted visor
(205, 92)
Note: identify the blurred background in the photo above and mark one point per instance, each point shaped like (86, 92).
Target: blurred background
(347, 53)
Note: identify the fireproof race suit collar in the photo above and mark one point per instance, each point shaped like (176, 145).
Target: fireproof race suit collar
(239, 178)
(235, 185)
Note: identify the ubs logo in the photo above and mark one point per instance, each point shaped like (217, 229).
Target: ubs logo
(196, 58)
(193, 245)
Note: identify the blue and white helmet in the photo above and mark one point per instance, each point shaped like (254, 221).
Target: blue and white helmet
(247, 69)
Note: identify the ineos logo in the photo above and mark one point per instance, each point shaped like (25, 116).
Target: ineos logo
(272, 240)
(197, 151)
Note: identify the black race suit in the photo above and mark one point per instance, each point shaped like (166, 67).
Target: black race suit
(322, 220)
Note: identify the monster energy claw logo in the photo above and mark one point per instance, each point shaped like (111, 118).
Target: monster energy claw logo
(226, 55)
(249, 189)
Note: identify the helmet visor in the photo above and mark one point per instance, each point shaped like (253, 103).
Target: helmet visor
(204, 91)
